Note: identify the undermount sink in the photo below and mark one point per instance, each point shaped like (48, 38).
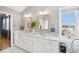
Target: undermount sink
(37, 34)
(42, 34)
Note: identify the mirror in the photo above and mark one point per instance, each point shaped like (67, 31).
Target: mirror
(38, 23)
(30, 24)
(43, 21)
(26, 23)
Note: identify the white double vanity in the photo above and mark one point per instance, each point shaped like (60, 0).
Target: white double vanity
(36, 42)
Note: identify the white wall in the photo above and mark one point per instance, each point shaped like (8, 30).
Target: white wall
(77, 24)
(16, 16)
(54, 14)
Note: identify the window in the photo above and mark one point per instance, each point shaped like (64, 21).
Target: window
(68, 23)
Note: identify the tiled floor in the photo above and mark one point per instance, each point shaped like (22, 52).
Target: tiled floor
(13, 49)
(5, 47)
(4, 43)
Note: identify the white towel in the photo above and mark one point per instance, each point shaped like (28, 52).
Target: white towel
(75, 46)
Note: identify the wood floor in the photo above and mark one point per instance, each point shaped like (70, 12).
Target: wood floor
(4, 43)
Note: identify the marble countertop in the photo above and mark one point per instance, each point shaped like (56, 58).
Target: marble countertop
(47, 36)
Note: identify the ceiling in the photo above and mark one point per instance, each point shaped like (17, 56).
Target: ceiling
(18, 8)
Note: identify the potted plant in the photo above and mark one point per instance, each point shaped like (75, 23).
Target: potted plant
(33, 25)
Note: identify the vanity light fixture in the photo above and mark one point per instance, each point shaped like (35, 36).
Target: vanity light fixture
(28, 15)
(44, 12)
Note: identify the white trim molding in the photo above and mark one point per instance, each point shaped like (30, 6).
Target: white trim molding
(11, 25)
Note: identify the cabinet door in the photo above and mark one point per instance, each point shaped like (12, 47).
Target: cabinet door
(36, 45)
(19, 42)
(52, 46)
(16, 36)
(28, 44)
(39, 45)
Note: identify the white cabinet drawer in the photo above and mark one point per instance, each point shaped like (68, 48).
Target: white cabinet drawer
(52, 46)
(28, 42)
(52, 49)
(48, 42)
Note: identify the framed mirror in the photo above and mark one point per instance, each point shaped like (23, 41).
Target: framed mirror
(43, 22)
(26, 23)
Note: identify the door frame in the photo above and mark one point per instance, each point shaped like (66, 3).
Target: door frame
(11, 26)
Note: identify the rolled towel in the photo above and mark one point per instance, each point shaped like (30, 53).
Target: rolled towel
(75, 46)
